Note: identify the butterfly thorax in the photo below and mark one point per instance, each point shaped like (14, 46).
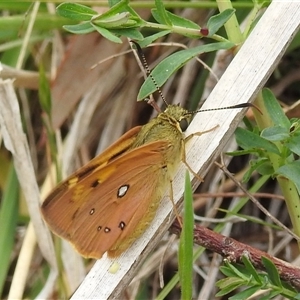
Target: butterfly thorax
(167, 129)
(167, 126)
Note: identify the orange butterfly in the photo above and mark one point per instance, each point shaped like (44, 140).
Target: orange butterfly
(107, 204)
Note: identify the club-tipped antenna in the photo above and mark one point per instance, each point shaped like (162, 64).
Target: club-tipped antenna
(241, 105)
(146, 66)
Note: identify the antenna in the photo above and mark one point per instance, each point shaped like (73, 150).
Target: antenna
(241, 105)
(145, 64)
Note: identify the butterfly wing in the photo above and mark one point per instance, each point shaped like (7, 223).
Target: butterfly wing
(70, 194)
(98, 215)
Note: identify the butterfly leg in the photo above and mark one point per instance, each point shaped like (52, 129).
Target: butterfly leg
(199, 133)
(189, 168)
(184, 154)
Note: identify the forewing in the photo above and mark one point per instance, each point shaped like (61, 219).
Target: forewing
(67, 197)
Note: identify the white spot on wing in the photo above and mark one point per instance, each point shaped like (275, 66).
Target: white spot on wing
(123, 190)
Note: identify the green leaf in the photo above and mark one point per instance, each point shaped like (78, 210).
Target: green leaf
(182, 22)
(263, 3)
(178, 21)
(297, 297)
(118, 8)
(245, 294)
(275, 111)
(149, 39)
(262, 165)
(107, 34)
(272, 271)
(251, 219)
(228, 285)
(217, 21)
(160, 13)
(227, 271)
(82, 28)
(75, 11)
(294, 144)
(242, 152)
(171, 64)
(249, 140)
(134, 14)
(249, 267)
(275, 134)
(265, 168)
(9, 212)
(248, 124)
(270, 295)
(186, 242)
(44, 92)
(237, 270)
(119, 12)
(292, 172)
(115, 21)
(131, 33)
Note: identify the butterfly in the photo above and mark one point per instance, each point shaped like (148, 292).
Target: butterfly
(108, 203)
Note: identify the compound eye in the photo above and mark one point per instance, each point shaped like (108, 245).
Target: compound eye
(184, 124)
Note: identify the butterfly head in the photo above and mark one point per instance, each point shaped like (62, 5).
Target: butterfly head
(181, 116)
